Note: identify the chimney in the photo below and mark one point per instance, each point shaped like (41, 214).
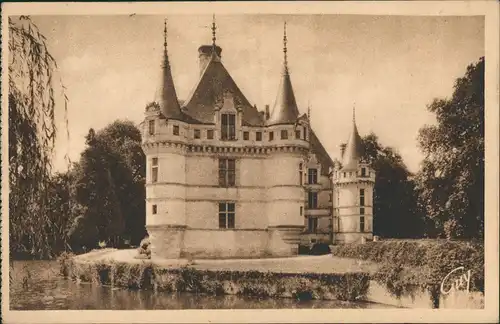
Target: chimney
(267, 112)
(205, 53)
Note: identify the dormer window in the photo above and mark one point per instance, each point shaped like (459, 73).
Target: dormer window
(228, 127)
(284, 134)
(151, 127)
(363, 172)
(312, 176)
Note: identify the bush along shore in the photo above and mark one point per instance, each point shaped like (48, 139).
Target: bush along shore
(412, 266)
(147, 275)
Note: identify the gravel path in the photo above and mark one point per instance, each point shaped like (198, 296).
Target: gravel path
(298, 264)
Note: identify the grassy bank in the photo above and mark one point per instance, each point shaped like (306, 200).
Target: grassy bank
(411, 265)
(147, 275)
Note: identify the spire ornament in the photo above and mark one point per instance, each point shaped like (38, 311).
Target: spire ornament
(165, 36)
(354, 113)
(214, 28)
(285, 50)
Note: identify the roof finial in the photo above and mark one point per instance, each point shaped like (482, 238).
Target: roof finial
(165, 36)
(354, 113)
(309, 120)
(214, 28)
(284, 47)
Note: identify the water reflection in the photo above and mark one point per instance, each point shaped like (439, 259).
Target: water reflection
(45, 290)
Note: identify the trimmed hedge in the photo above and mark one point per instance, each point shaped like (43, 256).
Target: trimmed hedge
(407, 265)
(146, 275)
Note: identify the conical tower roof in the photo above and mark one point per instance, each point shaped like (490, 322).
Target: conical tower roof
(166, 96)
(285, 109)
(354, 149)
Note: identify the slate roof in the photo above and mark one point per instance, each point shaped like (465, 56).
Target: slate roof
(285, 109)
(323, 157)
(213, 81)
(353, 151)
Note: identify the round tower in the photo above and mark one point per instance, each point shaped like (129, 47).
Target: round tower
(353, 184)
(287, 155)
(163, 143)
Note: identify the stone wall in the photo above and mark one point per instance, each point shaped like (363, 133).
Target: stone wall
(172, 242)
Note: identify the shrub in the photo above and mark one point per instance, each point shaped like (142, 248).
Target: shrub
(407, 265)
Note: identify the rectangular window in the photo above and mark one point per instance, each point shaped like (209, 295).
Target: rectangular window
(305, 134)
(284, 134)
(297, 134)
(361, 197)
(363, 172)
(300, 174)
(154, 170)
(258, 136)
(154, 209)
(210, 134)
(271, 136)
(330, 199)
(228, 127)
(362, 211)
(312, 176)
(246, 136)
(176, 130)
(312, 200)
(226, 215)
(301, 210)
(362, 224)
(227, 172)
(151, 127)
(312, 224)
(197, 134)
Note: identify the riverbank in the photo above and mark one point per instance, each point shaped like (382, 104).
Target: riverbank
(303, 277)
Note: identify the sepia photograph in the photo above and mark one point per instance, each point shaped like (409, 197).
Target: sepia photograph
(212, 158)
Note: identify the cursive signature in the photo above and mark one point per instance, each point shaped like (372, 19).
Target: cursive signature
(461, 281)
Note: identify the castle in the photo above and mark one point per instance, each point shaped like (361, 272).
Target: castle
(225, 180)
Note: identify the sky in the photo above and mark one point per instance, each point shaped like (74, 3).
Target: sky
(389, 67)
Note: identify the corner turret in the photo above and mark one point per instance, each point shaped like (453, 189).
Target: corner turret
(166, 96)
(285, 109)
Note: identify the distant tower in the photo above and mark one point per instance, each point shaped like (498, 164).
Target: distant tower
(353, 183)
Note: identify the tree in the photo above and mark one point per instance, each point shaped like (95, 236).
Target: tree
(32, 133)
(124, 138)
(395, 212)
(451, 180)
(110, 186)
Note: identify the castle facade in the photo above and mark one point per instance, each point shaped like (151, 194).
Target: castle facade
(225, 180)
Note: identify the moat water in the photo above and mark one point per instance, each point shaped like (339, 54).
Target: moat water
(36, 285)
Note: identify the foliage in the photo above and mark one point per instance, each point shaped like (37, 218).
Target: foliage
(109, 181)
(32, 133)
(451, 180)
(423, 264)
(395, 212)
